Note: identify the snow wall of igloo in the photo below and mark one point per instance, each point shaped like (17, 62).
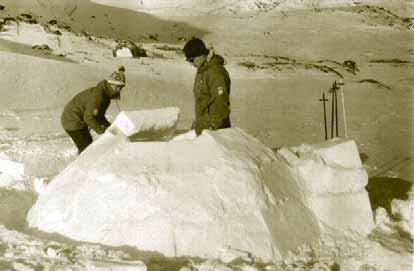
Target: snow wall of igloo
(202, 196)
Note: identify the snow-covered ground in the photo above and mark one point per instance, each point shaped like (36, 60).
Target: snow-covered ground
(280, 64)
(387, 247)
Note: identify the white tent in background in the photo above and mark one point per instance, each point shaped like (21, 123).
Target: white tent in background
(203, 196)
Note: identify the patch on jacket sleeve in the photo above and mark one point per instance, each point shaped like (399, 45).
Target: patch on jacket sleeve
(95, 112)
(220, 90)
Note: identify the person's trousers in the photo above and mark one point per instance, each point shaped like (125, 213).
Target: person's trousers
(81, 138)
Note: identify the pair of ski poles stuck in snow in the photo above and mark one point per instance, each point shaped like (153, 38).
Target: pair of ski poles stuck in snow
(334, 111)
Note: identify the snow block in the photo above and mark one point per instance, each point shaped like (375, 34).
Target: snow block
(154, 124)
(348, 211)
(196, 196)
(331, 177)
(317, 177)
(339, 152)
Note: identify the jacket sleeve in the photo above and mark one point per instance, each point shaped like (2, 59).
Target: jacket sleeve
(219, 104)
(101, 119)
(92, 112)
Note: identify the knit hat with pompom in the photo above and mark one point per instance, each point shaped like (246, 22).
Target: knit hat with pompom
(117, 77)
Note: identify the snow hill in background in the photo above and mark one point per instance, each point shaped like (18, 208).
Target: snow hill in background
(186, 7)
(191, 7)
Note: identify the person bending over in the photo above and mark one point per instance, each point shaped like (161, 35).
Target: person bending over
(87, 109)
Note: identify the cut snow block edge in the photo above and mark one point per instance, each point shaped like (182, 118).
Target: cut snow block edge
(158, 124)
(159, 120)
(348, 211)
(339, 152)
(331, 167)
(321, 180)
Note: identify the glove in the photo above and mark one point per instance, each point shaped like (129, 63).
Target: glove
(101, 129)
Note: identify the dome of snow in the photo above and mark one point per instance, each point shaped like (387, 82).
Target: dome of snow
(200, 196)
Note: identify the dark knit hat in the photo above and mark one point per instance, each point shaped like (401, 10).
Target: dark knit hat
(117, 77)
(195, 47)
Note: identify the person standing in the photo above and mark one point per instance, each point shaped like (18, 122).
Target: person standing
(211, 87)
(87, 109)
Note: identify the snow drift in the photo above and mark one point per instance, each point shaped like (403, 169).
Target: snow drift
(203, 196)
(404, 211)
(11, 172)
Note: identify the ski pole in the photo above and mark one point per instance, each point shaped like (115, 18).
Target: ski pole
(324, 113)
(343, 108)
(336, 109)
(332, 112)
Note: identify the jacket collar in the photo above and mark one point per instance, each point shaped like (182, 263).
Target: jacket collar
(211, 60)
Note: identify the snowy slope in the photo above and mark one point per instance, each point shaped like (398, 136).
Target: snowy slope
(193, 7)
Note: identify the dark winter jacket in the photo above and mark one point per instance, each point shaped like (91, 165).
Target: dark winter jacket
(87, 109)
(211, 92)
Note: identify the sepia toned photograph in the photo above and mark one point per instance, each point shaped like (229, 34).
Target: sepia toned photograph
(206, 135)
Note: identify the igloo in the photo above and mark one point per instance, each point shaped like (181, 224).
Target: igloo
(202, 196)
